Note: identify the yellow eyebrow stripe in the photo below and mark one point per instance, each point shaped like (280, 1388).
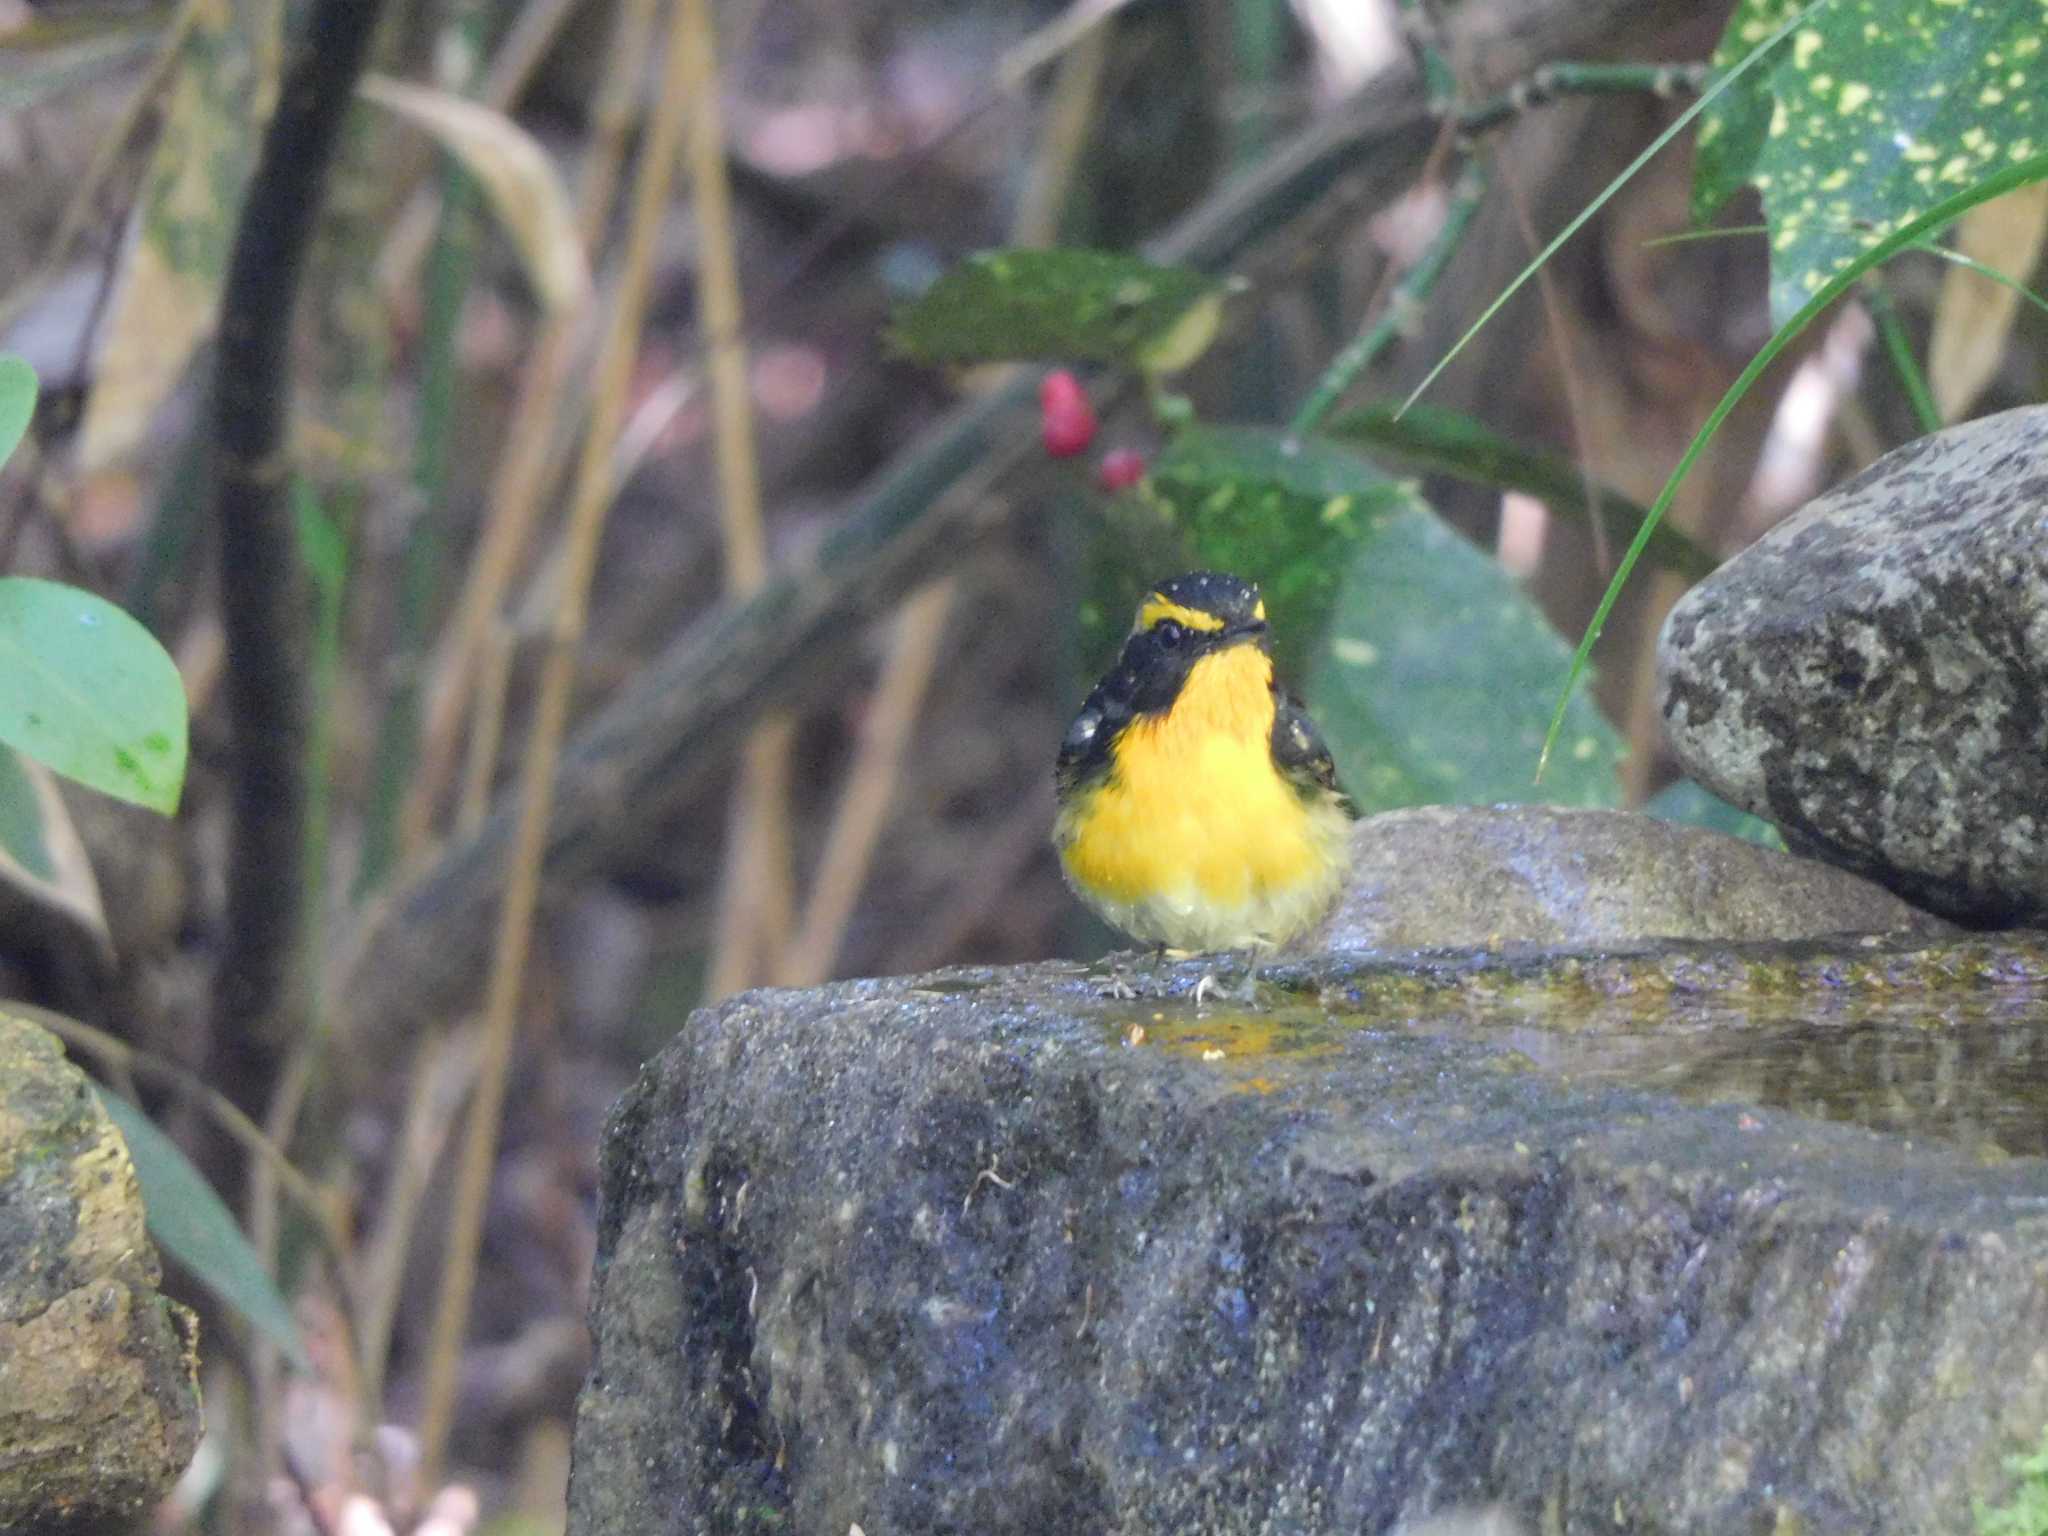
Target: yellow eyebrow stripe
(1158, 609)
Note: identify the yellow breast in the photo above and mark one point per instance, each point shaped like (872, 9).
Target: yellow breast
(1194, 840)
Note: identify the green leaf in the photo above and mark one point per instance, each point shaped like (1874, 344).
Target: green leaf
(1285, 514)
(1449, 442)
(187, 1218)
(1879, 110)
(1734, 125)
(17, 402)
(1435, 685)
(1064, 306)
(89, 692)
(1690, 804)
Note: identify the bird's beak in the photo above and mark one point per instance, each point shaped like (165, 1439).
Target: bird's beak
(1246, 630)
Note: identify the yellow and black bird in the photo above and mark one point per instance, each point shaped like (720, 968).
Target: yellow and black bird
(1198, 806)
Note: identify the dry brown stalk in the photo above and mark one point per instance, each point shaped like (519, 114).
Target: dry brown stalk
(755, 901)
(590, 503)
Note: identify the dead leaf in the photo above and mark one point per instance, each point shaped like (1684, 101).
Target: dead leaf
(1974, 315)
(43, 862)
(168, 299)
(523, 187)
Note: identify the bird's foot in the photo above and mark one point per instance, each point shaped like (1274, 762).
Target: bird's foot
(1118, 988)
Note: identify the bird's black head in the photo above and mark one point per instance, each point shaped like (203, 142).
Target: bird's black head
(1178, 623)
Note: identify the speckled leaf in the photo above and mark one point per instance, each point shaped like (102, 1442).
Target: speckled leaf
(1437, 681)
(1733, 125)
(1283, 515)
(89, 692)
(1063, 306)
(1879, 109)
(188, 1219)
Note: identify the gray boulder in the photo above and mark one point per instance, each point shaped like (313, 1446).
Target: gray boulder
(982, 1252)
(1872, 675)
(1539, 874)
(99, 1397)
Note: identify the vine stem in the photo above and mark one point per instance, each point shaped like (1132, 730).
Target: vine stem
(1403, 305)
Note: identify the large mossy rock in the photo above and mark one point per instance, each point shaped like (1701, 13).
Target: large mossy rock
(982, 1252)
(99, 1401)
(1872, 674)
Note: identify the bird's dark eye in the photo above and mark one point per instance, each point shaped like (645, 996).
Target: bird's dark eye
(1170, 633)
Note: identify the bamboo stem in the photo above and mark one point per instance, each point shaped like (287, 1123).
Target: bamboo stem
(537, 774)
(920, 627)
(755, 901)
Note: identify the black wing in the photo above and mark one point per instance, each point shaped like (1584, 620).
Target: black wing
(1298, 746)
(1084, 752)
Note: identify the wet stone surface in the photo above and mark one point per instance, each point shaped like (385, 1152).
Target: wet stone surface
(1692, 1239)
(1872, 675)
(1542, 874)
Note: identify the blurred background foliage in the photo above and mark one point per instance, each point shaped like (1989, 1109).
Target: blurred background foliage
(841, 597)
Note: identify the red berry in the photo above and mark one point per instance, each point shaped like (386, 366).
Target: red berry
(1120, 469)
(1066, 421)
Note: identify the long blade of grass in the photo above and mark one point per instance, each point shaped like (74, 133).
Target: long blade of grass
(1925, 243)
(1898, 347)
(1909, 234)
(1678, 126)
(1982, 269)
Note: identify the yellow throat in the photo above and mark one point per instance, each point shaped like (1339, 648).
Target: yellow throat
(1194, 839)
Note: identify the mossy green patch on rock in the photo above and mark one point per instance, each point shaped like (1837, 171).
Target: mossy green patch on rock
(99, 1406)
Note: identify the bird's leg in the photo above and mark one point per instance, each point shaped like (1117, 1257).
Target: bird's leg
(1119, 986)
(1246, 992)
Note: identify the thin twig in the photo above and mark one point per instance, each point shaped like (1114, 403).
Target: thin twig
(1576, 411)
(265, 618)
(1403, 305)
(755, 900)
(1077, 24)
(537, 773)
(870, 786)
(115, 139)
(515, 502)
(486, 728)
(612, 116)
(1551, 81)
(442, 1076)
